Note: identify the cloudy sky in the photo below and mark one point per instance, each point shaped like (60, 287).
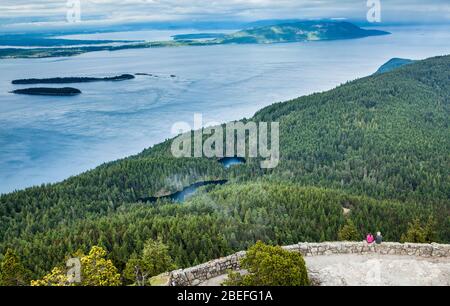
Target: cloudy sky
(44, 13)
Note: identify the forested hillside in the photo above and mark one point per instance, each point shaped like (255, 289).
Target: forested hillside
(378, 146)
(386, 135)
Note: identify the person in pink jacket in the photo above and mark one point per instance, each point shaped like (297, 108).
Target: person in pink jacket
(370, 239)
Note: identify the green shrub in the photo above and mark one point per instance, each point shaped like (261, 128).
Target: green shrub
(270, 266)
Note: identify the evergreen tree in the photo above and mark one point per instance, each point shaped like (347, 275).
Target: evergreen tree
(155, 260)
(415, 234)
(430, 230)
(349, 232)
(12, 271)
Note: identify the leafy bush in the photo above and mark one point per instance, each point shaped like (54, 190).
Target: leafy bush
(271, 266)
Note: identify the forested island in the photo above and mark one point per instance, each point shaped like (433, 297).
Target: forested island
(46, 91)
(298, 31)
(68, 80)
(376, 147)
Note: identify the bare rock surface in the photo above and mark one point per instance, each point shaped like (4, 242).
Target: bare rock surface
(378, 270)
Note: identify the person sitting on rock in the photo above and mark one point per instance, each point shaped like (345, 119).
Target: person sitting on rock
(370, 238)
(379, 238)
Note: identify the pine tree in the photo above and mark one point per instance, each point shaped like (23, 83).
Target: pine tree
(415, 234)
(430, 230)
(155, 260)
(349, 232)
(12, 271)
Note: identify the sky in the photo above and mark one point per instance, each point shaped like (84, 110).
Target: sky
(23, 14)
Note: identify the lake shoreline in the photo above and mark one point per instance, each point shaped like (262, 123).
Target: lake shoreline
(186, 192)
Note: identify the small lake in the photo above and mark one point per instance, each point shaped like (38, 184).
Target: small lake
(184, 194)
(229, 162)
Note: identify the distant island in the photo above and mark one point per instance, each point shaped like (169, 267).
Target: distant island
(198, 36)
(299, 31)
(143, 73)
(47, 40)
(122, 77)
(393, 64)
(43, 91)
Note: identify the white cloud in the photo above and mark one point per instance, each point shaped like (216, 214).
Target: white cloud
(117, 11)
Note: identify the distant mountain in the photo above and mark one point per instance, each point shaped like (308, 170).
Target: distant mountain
(299, 31)
(393, 64)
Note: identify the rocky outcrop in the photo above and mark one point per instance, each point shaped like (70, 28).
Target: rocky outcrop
(198, 274)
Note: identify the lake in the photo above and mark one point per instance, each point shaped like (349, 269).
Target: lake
(185, 194)
(47, 139)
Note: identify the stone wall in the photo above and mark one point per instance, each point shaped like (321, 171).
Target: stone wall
(195, 275)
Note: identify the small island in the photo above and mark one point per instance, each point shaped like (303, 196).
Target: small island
(43, 91)
(122, 77)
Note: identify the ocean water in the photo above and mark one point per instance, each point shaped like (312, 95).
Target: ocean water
(47, 139)
(149, 35)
